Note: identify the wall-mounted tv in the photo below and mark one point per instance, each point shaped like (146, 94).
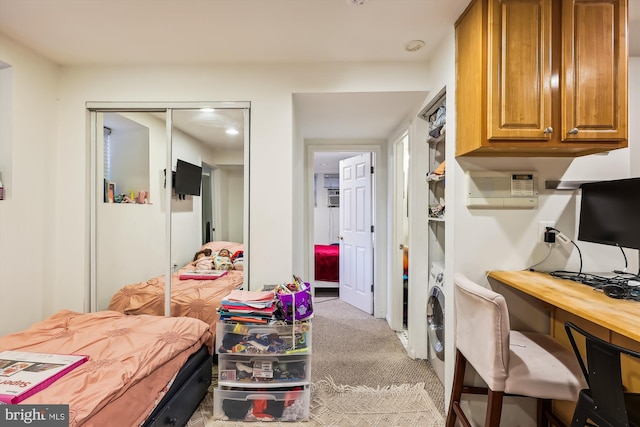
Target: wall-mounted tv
(188, 178)
(609, 213)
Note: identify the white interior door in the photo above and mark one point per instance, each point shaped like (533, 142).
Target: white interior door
(356, 233)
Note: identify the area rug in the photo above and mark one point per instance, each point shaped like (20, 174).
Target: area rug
(405, 405)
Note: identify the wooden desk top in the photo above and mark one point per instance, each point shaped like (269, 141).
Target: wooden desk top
(620, 316)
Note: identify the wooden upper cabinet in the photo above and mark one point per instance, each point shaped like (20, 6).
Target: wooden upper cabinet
(594, 66)
(519, 90)
(541, 77)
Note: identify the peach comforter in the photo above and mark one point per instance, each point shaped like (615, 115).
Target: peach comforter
(132, 360)
(195, 298)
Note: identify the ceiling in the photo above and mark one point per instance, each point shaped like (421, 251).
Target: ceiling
(192, 32)
(232, 31)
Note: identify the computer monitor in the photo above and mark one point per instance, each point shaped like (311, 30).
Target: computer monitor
(188, 178)
(609, 213)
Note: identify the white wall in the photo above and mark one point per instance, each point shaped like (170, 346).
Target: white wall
(235, 205)
(129, 166)
(27, 216)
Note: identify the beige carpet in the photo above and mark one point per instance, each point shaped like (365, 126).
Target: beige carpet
(361, 376)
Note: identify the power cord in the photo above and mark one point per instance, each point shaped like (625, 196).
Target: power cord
(560, 236)
(626, 264)
(550, 246)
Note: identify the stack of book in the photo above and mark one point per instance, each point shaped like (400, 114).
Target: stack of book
(248, 306)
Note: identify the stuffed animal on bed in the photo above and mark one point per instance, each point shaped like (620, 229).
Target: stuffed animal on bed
(222, 260)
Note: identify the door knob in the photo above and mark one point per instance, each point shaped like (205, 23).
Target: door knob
(573, 131)
(340, 237)
(548, 130)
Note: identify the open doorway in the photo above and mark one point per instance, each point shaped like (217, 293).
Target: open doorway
(399, 316)
(331, 264)
(326, 218)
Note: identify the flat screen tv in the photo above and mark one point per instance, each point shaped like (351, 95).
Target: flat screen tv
(187, 179)
(609, 213)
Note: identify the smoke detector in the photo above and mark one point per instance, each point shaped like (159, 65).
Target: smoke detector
(356, 2)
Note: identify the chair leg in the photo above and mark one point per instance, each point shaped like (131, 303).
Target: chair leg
(541, 419)
(494, 408)
(545, 416)
(456, 388)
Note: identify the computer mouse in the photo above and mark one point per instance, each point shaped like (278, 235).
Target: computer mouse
(614, 291)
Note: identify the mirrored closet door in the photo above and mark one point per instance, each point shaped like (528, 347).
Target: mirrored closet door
(147, 223)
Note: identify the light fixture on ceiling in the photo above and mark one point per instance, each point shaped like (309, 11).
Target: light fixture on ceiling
(413, 45)
(207, 110)
(232, 131)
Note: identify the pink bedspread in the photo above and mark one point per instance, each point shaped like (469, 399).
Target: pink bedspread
(199, 299)
(327, 261)
(140, 354)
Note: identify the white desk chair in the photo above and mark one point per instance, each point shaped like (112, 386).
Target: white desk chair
(510, 362)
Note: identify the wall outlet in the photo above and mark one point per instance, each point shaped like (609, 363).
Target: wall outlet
(542, 227)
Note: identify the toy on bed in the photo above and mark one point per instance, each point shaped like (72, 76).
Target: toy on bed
(203, 260)
(222, 260)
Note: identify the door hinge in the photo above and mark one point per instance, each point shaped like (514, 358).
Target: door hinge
(372, 228)
(371, 169)
(372, 287)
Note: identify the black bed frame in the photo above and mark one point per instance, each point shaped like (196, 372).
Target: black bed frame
(186, 392)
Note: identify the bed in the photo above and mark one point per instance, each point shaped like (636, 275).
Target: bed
(197, 298)
(327, 263)
(142, 370)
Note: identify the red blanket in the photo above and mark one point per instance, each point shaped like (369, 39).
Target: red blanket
(327, 263)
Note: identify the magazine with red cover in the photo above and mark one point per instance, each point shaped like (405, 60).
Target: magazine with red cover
(24, 373)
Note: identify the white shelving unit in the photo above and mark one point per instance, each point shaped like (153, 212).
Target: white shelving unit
(435, 114)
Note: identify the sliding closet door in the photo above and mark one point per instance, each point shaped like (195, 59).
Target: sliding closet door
(131, 212)
(142, 229)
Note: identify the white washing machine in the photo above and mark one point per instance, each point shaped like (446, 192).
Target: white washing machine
(435, 319)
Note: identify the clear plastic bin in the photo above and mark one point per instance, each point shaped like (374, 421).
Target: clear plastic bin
(238, 338)
(278, 404)
(257, 371)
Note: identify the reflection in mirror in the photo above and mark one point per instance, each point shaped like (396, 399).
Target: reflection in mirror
(214, 140)
(129, 237)
(132, 206)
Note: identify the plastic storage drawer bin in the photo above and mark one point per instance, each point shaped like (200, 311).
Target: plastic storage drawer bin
(259, 370)
(276, 404)
(240, 338)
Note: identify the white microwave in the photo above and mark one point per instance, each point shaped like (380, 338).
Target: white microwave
(333, 198)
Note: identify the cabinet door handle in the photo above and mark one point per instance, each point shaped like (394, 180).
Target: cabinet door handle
(573, 131)
(548, 130)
